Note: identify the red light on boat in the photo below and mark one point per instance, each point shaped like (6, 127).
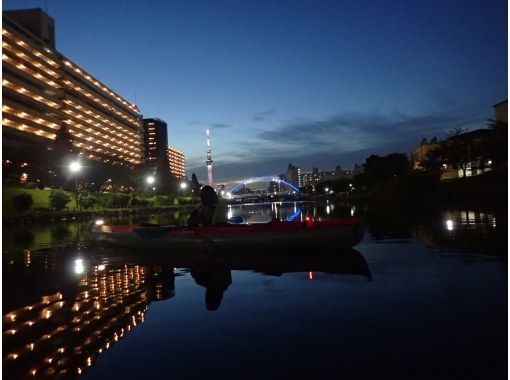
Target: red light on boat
(310, 275)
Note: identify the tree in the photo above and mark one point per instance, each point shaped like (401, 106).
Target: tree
(495, 144)
(59, 199)
(87, 201)
(433, 162)
(22, 202)
(338, 185)
(460, 150)
(195, 185)
(379, 169)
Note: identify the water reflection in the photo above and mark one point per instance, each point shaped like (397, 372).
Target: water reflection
(65, 302)
(43, 236)
(467, 231)
(264, 212)
(160, 282)
(215, 280)
(62, 333)
(60, 328)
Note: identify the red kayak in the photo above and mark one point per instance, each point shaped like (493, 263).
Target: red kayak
(308, 234)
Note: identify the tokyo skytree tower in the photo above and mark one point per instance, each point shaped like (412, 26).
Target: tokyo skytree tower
(209, 161)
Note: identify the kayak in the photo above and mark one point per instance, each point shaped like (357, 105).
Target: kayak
(302, 235)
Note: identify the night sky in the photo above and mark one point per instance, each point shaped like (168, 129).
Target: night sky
(278, 82)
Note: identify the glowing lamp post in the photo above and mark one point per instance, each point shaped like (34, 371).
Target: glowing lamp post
(150, 181)
(75, 167)
(183, 185)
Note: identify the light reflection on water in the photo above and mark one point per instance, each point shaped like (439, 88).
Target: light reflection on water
(67, 303)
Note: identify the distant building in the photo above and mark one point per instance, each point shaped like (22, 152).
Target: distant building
(44, 93)
(420, 153)
(310, 178)
(473, 168)
(155, 140)
(277, 186)
(315, 177)
(331, 175)
(501, 111)
(177, 162)
(293, 175)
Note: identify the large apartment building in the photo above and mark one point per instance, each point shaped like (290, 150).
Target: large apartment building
(177, 162)
(155, 141)
(44, 91)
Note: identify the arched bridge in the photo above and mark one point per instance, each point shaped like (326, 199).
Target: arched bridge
(230, 193)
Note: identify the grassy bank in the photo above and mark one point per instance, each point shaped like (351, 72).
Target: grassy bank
(107, 204)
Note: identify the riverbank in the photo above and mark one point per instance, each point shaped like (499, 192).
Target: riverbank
(106, 204)
(66, 216)
(417, 190)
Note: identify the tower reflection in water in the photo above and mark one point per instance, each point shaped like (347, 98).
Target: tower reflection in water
(63, 333)
(62, 336)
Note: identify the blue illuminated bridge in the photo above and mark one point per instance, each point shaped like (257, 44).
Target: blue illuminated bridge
(291, 189)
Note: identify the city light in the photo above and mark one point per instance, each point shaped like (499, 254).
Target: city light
(150, 180)
(449, 225)
(184, 185)
(75, 166)
(79, 268)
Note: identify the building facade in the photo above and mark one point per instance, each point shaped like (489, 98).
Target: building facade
(293, 175)
(474, 167)
(155, 140)
(177, 162)
(501, 111)
(420, 153)
(44, 93)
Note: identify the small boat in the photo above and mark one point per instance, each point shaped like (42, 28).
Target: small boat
(301, 235)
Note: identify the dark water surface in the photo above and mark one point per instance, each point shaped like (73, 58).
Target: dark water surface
(420, 297)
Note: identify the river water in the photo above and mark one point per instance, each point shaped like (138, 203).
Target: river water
(422, 296)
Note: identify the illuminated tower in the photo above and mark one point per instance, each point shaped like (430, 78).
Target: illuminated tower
(209, 161)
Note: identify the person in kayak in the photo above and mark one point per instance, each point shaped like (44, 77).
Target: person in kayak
(209, 212)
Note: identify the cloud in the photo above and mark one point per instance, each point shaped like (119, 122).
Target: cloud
(261, 116)
(443, 99)
(355, 131)
(220, 126)
(210, 125)
(341, 139)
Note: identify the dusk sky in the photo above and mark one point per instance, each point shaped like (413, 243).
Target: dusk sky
(278, 82)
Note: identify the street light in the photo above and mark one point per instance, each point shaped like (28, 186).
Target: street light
(183, 185)
(75, 167)
(150, 180)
